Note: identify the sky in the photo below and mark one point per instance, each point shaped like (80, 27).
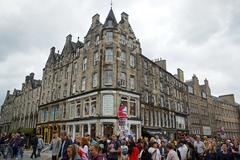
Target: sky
(201, 37)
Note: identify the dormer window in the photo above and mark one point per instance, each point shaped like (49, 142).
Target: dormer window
(97, 40)
(88, 43)
(110, 23)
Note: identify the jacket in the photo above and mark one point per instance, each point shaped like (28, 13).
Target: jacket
(63, 149)
(100, 157)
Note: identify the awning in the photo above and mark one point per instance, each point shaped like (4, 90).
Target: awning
(152, 131)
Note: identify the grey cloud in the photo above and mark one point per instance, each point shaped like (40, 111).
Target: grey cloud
(199, 36)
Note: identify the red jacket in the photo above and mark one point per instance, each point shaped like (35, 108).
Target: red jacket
(134, 155)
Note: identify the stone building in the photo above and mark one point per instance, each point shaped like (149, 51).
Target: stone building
(210, 115)
(84, 85)
(199, 117)
(164, 99)
(225, 116)
(20, 108)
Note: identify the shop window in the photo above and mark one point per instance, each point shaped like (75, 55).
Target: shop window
(85, 129)
(108, 129)
(93, 130)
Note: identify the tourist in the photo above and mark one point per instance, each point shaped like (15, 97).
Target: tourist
(172, 155)
(144, 154)
(133, 151)
(199, 146)
(114, 148)
(34, 143)
(72, 152)
(65, 143)
(40, 145)
(95, 152)
(55, 145)
(154, 150)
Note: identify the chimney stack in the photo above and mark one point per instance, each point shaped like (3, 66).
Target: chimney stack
(124, 16)
(95, 19)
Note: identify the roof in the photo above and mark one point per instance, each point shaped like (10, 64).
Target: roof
(111, 17)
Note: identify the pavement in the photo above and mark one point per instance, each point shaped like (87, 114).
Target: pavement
(27, 153)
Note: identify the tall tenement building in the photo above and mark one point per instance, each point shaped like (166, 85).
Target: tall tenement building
(210, 115)
(19, 109)
(83, 86)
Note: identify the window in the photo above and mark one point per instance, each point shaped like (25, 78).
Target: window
(78, 109)
(45, 115)
(110, 23)
(133, 107)
(145, 64)
(84, 64)
(204, 95)
(64, 111)
(123, 58)
(109, 36)
(94, 80)
(180, 122)
(72, 110)
(108, 80)
(132, 82)
(168, 90)
(86, 107)
(83, 84)
(130, 43)
(123, 79)
(146, 97)
(77, 129)
(132, 61)
(93, 106)
(123, 39)
(75, 68)
(190, 89)
(97, 40)
(145, 79)
(161, 87)
(162, 101)
(95, 58)
(74, 88)
(108, 104)
(109, 55)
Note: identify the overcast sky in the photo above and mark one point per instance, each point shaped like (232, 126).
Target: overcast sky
(201, 37)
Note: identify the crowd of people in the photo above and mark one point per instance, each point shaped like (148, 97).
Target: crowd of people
(12, 145)
(115, 148)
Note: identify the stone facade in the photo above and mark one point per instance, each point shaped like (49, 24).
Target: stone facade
(225, 116)
(20, 108)
(83, 86)
(164, 99)
(199, 117)
(210, 115)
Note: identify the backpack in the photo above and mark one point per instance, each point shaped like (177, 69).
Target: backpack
(124, 150)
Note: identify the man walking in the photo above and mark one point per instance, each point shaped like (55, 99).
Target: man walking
(34, 144)
(55, 145)
(65, 143)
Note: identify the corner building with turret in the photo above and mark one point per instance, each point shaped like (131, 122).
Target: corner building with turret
(83, 86)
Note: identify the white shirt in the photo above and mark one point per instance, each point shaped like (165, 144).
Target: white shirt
(200, 147)
(156, 155)
(183, 152)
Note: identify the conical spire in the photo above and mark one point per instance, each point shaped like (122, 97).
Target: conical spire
(110, 20)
